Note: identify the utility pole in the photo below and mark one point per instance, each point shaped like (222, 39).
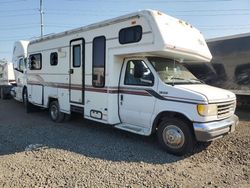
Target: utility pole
(41, 17)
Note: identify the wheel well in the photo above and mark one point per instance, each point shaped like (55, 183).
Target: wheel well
(51, 99)
(170, 114)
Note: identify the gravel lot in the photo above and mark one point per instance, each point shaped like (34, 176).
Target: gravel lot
(35, 152)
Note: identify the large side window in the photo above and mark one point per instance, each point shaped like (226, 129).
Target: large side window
(35, 61)
(53, 58)
(98, 72)
(130, 34)
(138, 73)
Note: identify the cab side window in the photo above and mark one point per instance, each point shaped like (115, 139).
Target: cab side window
(138, 73)
(21, 65)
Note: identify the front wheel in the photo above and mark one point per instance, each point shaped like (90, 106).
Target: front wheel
(175, 136)
(55, 114)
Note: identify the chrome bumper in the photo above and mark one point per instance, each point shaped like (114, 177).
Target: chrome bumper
(213, 130)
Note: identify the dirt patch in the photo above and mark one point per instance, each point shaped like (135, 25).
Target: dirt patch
(37, 152)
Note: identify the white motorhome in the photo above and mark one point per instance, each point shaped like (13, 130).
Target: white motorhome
(7, 79)
(127, 72)
(19, 59)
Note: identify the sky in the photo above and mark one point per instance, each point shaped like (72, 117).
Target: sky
(20, 19)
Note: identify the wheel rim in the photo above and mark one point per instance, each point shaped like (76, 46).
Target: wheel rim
(53, 112)
(173, 137)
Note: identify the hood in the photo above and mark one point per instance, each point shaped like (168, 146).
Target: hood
(213, 94)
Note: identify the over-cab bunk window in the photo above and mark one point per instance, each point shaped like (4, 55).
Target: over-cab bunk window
(130, 34)
(98, 71)
(35, 61)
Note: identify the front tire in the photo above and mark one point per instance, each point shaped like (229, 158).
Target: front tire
(175, 136)
(55, 114)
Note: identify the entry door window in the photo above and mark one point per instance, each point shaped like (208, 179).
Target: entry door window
(77, 56)
(138, 73)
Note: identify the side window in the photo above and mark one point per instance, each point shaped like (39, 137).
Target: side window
(242, 74)
(138, 73)
(130, 34)
(77, 55)
(21, 65)
(35, 61)
(53, 59)
(98, 71)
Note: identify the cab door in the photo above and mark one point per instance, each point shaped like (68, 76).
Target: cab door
(77, 71)
(136, 104)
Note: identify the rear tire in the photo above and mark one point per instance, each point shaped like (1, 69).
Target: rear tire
(55, 114)
(28, 106)
(2, 94)
(175, 136)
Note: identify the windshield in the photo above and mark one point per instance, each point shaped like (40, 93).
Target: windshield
(172, 72)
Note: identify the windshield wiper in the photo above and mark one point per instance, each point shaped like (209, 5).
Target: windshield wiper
(195, 79)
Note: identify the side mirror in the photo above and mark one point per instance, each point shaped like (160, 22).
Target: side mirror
(138, 70)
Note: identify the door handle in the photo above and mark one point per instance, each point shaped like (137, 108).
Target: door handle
(121, 99)
(71, 71)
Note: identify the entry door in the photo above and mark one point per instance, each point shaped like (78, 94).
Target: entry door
(77, 71)
(136, 104)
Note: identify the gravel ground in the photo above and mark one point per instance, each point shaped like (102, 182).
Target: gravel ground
(35, 152)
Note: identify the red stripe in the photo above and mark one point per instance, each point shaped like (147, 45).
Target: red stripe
(114, 90)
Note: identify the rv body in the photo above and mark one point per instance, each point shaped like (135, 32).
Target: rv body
(7, 79)
(19, 59)
(124, 72)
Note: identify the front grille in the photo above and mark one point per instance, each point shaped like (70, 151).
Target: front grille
(225, 109)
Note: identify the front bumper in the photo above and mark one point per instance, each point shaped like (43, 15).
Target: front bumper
(213, 130)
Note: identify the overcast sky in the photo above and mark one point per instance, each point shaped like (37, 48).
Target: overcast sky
(20, 19)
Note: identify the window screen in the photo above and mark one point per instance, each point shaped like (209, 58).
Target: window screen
(98, 72)
(35, 61)
(130, 34)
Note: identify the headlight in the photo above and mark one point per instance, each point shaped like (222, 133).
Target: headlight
(207, 109)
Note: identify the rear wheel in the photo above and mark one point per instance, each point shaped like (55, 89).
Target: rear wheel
(2, 94)
(175, 136)
(55, 114)
(27, 104)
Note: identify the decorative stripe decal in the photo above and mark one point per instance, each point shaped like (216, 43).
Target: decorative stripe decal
(116, 90)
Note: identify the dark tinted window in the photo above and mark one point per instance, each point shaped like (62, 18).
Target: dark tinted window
(242, 74)
(203, 71)
(220, 71)
(77, 56)
(35, 61)
(98, 72)
(130, 34)
(229, 46)
(53, 59)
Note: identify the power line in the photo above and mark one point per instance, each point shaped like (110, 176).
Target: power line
(11, 1)
(235, 14)
(157, 1)
(17, 10)
(16, 15)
